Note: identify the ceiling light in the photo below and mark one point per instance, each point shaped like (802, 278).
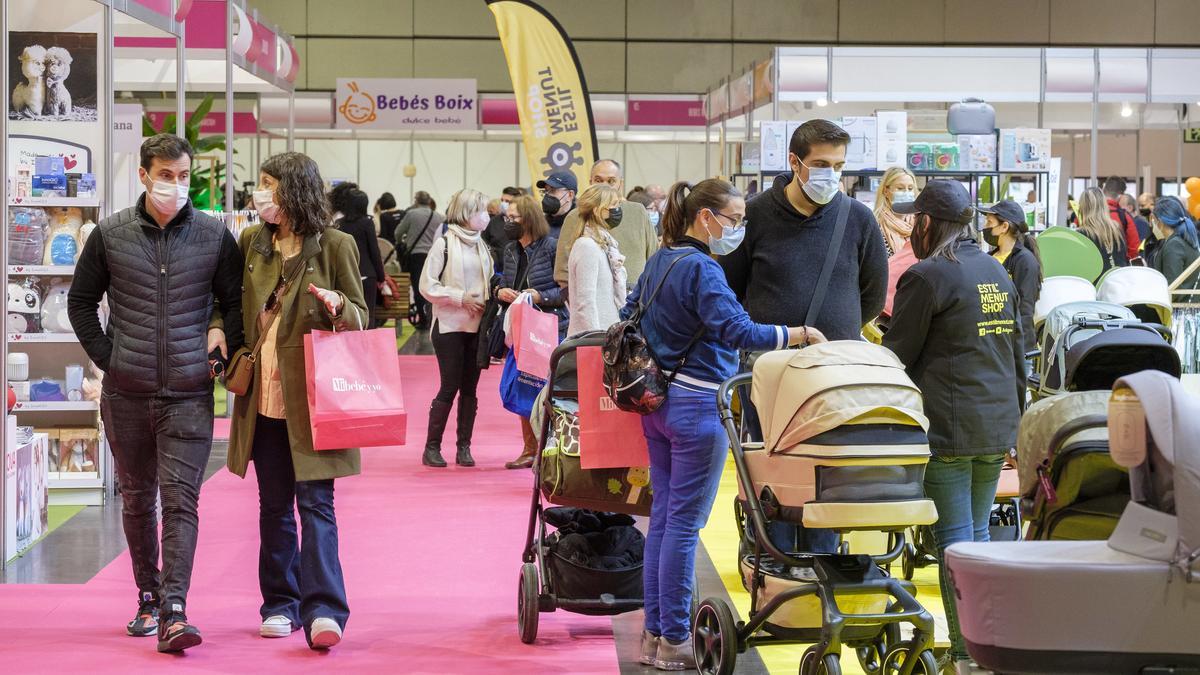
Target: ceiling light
(822, 102)
(1126, 110)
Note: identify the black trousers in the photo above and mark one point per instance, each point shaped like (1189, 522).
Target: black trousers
(456, 364)
(370, 294)
(160, 445)
(416, 265)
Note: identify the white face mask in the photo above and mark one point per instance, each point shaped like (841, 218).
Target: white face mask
(168, 198)
(822, 183)
(903, 196)
(264, 203)
(478, 222)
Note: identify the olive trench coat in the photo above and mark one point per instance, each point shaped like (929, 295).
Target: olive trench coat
(331, 262)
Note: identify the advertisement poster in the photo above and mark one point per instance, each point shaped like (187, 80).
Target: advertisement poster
(387, 103)
(1024, 150)
(52, 76)
(773, 146)
(891, 135)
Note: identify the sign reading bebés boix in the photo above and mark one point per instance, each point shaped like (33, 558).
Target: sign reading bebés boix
(377, 103)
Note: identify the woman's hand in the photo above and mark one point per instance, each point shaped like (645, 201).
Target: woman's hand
(473, 306)
(805, 336)
(537, 297)
(332, 300)
(507, 295)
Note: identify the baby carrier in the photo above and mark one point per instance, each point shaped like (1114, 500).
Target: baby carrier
(1130, 604)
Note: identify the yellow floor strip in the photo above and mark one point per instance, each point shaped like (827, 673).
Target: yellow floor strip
(720, 539)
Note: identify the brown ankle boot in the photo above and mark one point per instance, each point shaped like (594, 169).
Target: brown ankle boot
(523, 462)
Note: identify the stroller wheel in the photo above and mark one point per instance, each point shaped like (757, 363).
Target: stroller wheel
(715, 638)
(908, 561)
(871, 658)
(829, 664)
(898, 657)
(527, 603)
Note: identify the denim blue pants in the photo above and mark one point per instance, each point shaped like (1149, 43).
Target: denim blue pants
(687, 454)
(964, 489)
(300, 578)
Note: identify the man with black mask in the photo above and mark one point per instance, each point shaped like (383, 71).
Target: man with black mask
(558, 198)
(494, 235)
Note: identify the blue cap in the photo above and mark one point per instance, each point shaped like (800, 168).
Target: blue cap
(559, 179)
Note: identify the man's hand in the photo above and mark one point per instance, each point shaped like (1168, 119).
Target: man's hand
(216, 340)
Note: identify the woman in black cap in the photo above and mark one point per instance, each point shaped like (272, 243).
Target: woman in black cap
(1007, 232)
(956, 328)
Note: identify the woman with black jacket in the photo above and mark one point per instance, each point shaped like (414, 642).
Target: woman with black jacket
(1007, 232)
(356, 223)
(529, 266)
(957, 329)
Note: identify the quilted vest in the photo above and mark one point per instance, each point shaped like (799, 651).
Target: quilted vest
(160, 301)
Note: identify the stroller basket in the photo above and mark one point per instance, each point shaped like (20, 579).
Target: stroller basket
(564, 482)
(804, 612)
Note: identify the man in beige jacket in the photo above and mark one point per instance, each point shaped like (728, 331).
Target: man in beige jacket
(635, 235)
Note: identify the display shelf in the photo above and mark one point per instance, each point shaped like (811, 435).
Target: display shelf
(79, 202)
(42, 270)
(56, 406)
(41, 338)
(74, 479)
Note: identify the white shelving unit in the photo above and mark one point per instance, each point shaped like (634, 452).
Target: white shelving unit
(78, 202)
(56, 406)
(41, 270)
(42, 338)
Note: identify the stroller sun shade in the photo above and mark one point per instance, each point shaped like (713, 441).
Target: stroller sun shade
(1098, 362)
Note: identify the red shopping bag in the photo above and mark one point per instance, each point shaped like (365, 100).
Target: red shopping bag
(609, 438)
(535, 337)
(354, 394)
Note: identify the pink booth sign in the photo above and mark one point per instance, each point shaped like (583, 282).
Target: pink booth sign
(214, 122)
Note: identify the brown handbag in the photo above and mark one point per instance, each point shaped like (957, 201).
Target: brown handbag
(239, 376)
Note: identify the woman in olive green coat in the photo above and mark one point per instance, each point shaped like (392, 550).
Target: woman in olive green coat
(311, 276)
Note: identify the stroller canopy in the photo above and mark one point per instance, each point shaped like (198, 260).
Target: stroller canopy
(1062, 316)
(1138, 287)
(800, 394)
(1059, 291)
(1165, 475)
(1097, 363)
(1042, 421)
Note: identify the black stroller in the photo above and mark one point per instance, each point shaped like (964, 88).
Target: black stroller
(552, 577)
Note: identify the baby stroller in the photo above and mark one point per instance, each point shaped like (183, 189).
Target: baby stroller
(1088, 345)
(1130, 604)
(844, 448)
(1071, 487)
(555, 574)
(1143, 290)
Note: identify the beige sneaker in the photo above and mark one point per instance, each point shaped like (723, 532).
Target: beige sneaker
(675, 657)
(324, 633)
(649, 648)
(276, 626)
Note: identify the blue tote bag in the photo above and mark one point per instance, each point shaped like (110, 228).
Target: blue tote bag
(518, 390)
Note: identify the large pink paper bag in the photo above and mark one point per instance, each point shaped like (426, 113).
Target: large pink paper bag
(354, 394)
(535, 337)
(609, 437)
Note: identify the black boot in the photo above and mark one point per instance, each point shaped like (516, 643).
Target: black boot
(467, 407)
(439, 414)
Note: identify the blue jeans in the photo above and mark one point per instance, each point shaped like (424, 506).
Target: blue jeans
(963, 489)
(687, 454)
(301, 580)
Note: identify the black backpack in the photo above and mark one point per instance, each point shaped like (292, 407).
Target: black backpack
(632, 378)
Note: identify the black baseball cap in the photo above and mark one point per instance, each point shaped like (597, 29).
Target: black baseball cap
(1008, 211)
(941, 199)
(559, 179)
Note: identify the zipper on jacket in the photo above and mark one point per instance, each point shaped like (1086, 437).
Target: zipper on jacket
(162, 314)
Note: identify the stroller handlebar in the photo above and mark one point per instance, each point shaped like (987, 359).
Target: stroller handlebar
(725, 394)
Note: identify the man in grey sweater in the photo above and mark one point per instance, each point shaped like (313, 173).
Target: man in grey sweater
(635, 235)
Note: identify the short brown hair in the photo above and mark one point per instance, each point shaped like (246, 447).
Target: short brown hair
(164, 146)
(533, 221)
(816, 132)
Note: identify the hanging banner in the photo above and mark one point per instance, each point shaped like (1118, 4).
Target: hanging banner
(552, 96)
(385, 103)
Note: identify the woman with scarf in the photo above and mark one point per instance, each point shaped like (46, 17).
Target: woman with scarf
(456, 281)
(898, 186)
(596, 268)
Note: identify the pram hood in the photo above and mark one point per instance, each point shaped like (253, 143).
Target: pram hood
(1171, 463)
(1132, 286)
(1098, 361)
(800, 394)
(1062, 316)
(1042, 421)
(1059, 291)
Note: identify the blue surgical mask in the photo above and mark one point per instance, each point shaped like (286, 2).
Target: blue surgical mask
(903, 197)
(654, 217)
(731, 239)
(822, 183)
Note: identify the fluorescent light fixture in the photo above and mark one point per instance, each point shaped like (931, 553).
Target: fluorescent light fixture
(1126, 110)
(822, 102)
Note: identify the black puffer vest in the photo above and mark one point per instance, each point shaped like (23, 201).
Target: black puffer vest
(160, 299)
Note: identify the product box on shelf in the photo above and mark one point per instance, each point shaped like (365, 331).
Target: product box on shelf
(977, 152)
(26, 498)
(1024, 150)
(860, 153)
(891, 138)
(78, 451)
(944, 156)
(919, 156)
(773, 144)
(52, 447)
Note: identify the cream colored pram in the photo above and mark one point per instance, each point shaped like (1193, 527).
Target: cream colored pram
(845, 448)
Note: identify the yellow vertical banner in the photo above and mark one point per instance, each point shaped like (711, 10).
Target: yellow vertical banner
(551, 93)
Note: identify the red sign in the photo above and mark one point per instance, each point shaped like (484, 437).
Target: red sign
(214, 123)
(666, 113)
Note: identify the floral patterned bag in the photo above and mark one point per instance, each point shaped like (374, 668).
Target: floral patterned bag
(565, 483)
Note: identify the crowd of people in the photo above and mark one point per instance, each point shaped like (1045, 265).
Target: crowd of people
(735, 278)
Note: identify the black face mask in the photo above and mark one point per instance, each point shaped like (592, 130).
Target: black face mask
(513, 230)
(614, 217)
(1145, 212)
(551, 205)
(991, 238)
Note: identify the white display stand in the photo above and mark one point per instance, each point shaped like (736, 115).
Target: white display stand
(25, 513)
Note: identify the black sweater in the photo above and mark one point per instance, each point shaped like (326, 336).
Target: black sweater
(775, 269)
(370, 263)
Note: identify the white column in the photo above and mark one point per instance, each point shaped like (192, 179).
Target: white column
(229, 14)
(3, 255)
(1095, 116)
(180, 82)
(291, 130)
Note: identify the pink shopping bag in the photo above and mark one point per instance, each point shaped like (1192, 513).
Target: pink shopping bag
(609, 438)
(354, 394)
(535, 337)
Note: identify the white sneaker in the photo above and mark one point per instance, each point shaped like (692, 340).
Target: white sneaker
(324, 633)
(276, 627)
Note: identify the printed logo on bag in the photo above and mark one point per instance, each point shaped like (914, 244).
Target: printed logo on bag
(342, 385)
(538, 341)
(607, 405)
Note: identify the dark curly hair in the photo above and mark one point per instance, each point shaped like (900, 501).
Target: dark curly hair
(301, 192)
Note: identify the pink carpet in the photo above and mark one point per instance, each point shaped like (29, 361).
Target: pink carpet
(431, 559)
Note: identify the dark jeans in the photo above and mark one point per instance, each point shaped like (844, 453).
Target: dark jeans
(416, 265)
(456, 364)
(160, 445)
(301, 580)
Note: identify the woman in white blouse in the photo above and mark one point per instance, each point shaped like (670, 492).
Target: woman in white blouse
(456, 280)
(596, 268)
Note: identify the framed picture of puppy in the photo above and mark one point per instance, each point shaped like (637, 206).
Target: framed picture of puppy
(52, 77)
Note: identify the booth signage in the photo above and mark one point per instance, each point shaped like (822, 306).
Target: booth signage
(127, 128)
(378, 103)
(1191, 135)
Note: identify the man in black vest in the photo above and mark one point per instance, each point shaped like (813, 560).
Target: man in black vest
(161, 263)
